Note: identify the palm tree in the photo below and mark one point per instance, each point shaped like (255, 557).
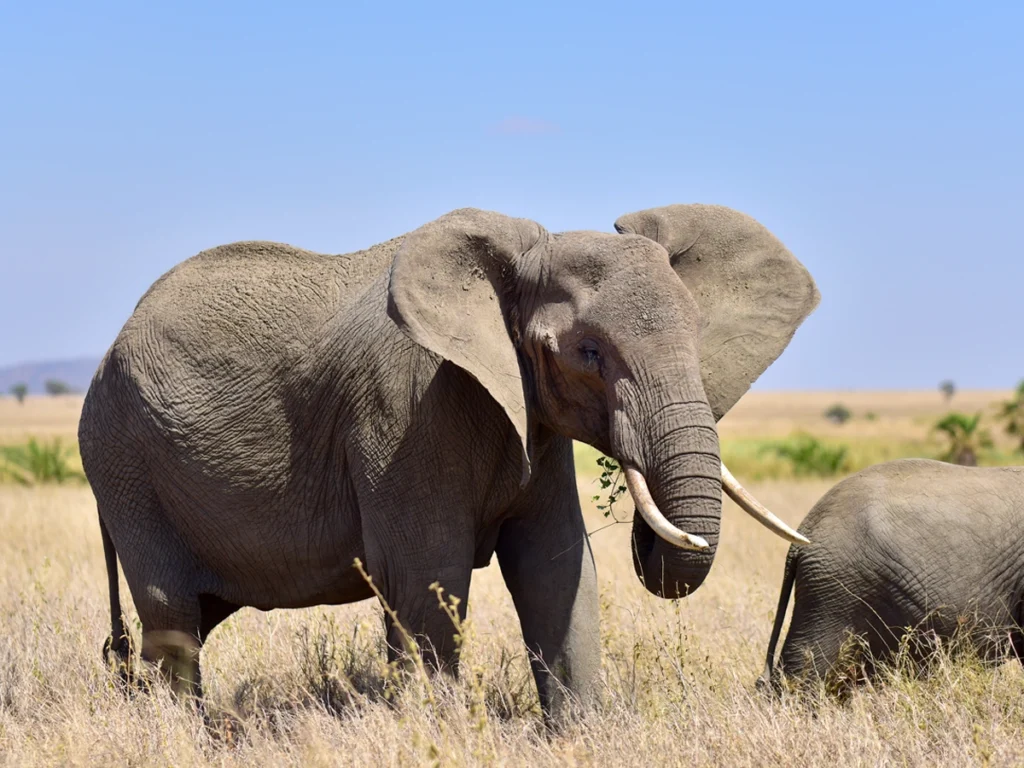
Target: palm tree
(965, 439)
(1012, 412)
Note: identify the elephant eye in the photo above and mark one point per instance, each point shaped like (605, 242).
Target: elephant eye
(590, 356)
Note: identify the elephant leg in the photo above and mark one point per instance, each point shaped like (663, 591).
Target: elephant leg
(174, 631)
(419, 613)
(815, 638)
(821, 648)
(171, 620)
(405, 562)
(176, 653)
(163, 580)
(548, 566)
(808, 652)
(165, 588)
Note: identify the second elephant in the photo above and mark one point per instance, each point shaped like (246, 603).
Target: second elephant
(906, 550)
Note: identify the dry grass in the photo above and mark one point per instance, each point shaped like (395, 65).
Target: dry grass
(39, 416)
(303, 685)
(901, 416)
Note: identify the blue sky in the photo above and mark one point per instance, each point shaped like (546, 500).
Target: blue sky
(882, 142)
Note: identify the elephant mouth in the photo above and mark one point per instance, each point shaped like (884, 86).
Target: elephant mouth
(661, 526)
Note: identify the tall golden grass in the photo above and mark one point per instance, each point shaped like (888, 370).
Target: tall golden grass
(304, 687)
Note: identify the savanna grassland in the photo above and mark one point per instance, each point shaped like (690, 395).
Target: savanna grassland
(305, 687)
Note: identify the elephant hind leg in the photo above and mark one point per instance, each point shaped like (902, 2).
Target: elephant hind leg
(819, 645)
(176, 654)
(165, 586)
(173, 639)
(171, 634)
(165, 580)
(826, 652)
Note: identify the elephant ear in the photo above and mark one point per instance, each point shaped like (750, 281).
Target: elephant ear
(752, 292)
(448, 293)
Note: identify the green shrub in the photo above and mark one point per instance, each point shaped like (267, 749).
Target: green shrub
(38, 462)
(809, 456)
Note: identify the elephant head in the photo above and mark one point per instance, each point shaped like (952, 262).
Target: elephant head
(595, 337)
(751, 294)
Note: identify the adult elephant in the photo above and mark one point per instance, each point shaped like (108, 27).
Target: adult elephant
(267, 415)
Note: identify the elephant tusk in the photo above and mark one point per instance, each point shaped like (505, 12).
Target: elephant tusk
(757, 510)
(652, 515)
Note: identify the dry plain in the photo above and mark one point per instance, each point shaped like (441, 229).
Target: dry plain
(302, 687)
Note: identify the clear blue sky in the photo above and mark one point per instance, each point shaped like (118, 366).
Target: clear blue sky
(883, 142)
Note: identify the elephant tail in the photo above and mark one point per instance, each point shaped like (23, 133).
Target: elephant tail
(118, 640)
(780, 613)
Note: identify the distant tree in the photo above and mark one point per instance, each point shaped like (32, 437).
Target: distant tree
(56, 387)
(838, 414)
(19, 391)
(948, 389)
(1012, 412)
(965, 438)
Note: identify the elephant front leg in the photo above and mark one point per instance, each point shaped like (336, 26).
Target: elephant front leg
(423, 627)
(548, 567)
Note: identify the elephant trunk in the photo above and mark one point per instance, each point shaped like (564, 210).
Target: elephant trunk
(677, 488)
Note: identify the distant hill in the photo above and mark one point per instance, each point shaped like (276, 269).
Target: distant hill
(75, 373)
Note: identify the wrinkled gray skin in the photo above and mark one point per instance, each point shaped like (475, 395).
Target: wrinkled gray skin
(911, 543)
(268, 415)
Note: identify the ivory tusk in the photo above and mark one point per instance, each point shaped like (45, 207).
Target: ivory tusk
(757, 510)
(652, 515)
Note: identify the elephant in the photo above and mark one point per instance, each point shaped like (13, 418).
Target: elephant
(268, 415)
(902, 554)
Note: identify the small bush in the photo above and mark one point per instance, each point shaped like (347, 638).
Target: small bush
(871, 416)
(809, 456)
(838, 414)
(37, 462)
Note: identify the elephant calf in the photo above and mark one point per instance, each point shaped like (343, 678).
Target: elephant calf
(906, 544)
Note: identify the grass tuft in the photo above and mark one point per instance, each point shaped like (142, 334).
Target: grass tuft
(40, 461)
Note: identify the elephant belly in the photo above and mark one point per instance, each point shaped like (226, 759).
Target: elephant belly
(277, 564)
(265, 545)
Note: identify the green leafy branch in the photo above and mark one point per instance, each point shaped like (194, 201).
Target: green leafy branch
(612, 483)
